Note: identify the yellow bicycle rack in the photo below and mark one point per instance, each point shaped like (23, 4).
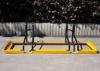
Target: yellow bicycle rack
(8, 48)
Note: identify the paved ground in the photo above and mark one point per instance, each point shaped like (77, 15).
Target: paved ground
(49, 62)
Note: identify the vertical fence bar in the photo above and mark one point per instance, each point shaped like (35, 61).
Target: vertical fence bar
(50, 30)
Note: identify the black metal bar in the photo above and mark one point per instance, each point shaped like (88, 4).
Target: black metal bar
(25, 38)
(66, 37)
(32, 37)
(41, 46)
(72, 39)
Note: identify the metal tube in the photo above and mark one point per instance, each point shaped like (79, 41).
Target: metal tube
(32, 36)
(66, 37)
(25, 38)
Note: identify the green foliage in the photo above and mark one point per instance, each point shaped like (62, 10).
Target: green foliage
(55, 11)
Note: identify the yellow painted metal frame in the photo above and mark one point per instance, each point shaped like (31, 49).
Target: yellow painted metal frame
(8, 50)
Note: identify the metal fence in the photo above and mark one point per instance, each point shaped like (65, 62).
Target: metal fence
(48, 29)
